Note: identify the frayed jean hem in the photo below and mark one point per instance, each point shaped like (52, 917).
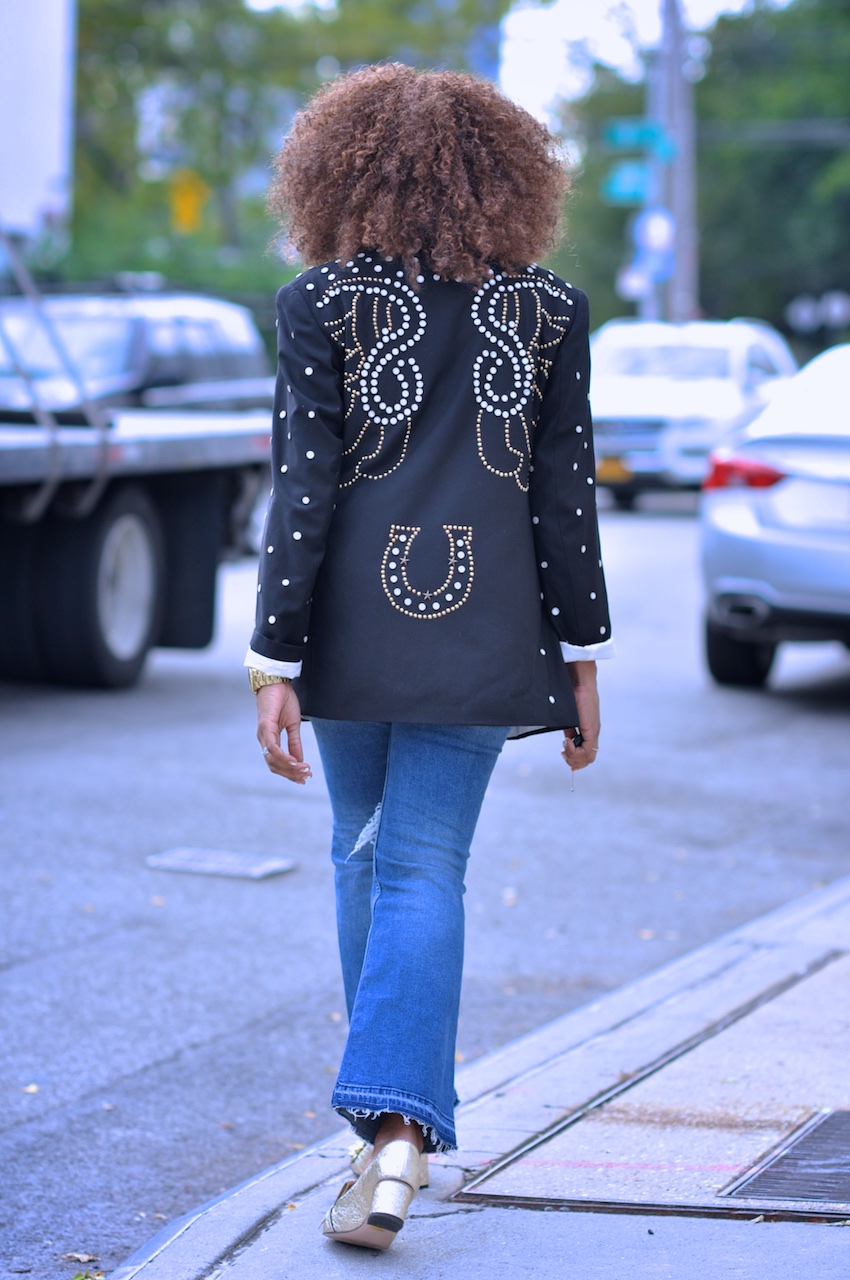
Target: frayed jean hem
(353, 1105)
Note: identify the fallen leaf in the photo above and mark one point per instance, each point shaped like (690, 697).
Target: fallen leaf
(80, 1257)
(226, 1124)
(311, 1115)
(336, 1017)
(30, 1088)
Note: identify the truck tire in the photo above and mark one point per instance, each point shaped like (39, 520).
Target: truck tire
(101, 591)
(738, 663)
(20, 658)
(193, 517)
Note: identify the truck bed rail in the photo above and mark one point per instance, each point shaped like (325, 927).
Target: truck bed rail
(136, 443)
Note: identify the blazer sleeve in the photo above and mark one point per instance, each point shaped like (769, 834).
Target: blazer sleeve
(306, 453)
(562, 498)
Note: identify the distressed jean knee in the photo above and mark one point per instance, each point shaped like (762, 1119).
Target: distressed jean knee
(367, 837)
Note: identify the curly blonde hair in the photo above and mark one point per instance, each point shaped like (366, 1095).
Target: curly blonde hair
(435, 167)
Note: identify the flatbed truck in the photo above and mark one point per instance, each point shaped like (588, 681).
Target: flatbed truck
(111, 538)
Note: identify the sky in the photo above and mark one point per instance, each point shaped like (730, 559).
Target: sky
(546, 48)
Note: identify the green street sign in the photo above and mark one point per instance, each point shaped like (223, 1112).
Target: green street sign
(638, 133)
(629, 182)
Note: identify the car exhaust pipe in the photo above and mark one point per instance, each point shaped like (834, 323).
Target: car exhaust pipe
(742, 611)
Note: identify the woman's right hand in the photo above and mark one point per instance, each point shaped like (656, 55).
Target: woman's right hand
(278, 713)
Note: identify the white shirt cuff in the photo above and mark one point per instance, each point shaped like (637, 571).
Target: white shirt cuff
(270, 667)
(587, 652)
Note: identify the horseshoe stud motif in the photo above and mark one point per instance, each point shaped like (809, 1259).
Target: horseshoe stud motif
(437, 602)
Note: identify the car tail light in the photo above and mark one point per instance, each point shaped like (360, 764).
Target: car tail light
(728, 471)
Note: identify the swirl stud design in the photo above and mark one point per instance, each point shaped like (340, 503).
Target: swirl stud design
(507, 374)
(385, 380)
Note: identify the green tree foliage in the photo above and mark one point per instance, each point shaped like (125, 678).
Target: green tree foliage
(181, 103)
(459, 34)
(774, 203)
(774, 215)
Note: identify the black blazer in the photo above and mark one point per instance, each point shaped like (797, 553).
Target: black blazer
(431, 537)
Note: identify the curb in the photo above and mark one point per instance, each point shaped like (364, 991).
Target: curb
(518, 1092)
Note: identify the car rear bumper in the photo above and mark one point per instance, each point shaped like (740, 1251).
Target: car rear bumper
(749, 616)
(768, 583)
(659, 456)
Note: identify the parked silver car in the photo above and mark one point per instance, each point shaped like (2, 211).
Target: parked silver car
(664, 395)
(776, 526)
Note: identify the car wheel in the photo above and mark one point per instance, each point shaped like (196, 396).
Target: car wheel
(101, 596)
(737, 662)
(624, 499)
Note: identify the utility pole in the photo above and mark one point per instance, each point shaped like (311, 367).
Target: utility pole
(670, 102)
(683, 289)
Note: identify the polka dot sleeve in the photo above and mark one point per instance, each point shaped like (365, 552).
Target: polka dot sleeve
(562, 498)
(306, 452)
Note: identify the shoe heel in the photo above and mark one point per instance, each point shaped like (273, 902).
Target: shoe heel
(390, 1203)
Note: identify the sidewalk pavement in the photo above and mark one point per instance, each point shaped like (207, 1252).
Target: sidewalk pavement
(645, 1136)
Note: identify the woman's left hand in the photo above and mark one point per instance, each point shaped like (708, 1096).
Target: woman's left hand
(279, 712)
(583, 676)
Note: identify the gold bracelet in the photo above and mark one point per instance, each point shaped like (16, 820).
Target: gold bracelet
(258, 679)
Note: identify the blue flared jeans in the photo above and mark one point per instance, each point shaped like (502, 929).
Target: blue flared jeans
(405, 799)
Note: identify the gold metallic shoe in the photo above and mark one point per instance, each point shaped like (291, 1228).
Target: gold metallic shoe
(371, 1211)
(360, 1154)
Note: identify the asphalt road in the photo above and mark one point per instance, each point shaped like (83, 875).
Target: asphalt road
(167, 1035)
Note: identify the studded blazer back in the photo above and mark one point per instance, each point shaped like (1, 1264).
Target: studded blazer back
(431, 549)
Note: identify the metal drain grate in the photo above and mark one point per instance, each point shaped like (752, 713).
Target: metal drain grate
(812, 1164)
